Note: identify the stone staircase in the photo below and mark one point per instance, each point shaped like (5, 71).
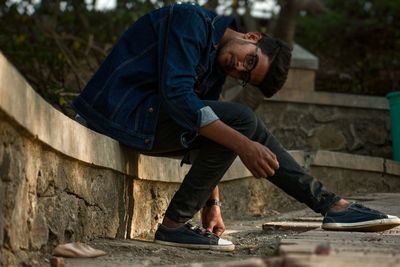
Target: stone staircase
(61, 182)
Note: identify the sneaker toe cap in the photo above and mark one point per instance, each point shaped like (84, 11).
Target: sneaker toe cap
(224, 242)
(392, 217)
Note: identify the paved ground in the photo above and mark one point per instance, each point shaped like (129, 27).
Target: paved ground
(327, 248)
(296, 242)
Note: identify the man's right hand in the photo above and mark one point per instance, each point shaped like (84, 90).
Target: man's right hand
(260, 161)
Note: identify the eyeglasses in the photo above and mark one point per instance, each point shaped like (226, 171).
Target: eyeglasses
(250, 62)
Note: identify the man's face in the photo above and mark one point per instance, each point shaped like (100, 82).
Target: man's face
(236, 56)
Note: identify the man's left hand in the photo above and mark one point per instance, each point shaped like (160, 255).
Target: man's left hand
(212, 219)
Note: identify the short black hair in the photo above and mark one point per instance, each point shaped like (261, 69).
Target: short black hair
(279, 54)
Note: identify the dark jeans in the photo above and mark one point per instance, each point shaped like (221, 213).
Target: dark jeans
(213, 160)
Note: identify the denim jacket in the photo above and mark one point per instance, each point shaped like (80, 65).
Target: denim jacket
(166, 59)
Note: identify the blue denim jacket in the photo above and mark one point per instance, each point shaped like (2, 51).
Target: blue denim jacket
(165, 59)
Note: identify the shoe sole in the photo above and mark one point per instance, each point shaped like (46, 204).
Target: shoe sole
(198, 246)
(369, 226)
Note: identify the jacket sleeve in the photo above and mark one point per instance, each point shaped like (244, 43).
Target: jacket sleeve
(185, 36)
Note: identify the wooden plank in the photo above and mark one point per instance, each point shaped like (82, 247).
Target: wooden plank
(307, 219)
(294, 226)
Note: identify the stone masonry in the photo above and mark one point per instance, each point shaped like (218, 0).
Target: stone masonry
(48, 199)
(321, 127)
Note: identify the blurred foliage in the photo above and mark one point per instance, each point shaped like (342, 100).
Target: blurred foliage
(57, 50)
(358, 45)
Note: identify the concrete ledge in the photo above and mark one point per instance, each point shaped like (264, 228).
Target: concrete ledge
(303, 59)
(330, 99)
(32, 112)
(169, 170)
(392, 167)
(348, 161)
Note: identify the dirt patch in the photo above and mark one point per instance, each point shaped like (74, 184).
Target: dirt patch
(250, 240)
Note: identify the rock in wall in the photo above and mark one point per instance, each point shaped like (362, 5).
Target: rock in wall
(48, 199)
(317, 127)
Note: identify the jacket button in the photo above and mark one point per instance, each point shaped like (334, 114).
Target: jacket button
(146, 141)
(151, 109)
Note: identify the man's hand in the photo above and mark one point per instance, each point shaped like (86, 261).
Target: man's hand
(260, 161)
(211, 219)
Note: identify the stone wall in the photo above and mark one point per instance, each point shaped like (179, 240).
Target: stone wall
(48, 199)
(325, 127)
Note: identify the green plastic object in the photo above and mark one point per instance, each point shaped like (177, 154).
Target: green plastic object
(394, 103)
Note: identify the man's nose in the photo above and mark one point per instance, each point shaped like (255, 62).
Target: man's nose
(240, 66)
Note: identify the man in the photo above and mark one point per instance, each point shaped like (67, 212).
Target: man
(157, 92)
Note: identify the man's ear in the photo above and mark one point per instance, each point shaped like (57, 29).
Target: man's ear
(255, 36)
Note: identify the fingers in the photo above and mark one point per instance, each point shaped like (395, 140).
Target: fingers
(258, 169)
(218, 231)
(260, 160)
(214, 229)
(268, 168)
(258, 172)
(273, 159)
(265, 166)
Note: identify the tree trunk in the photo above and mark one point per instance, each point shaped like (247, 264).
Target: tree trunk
(79, 7)
(50, 7)
(250, 23)
(285, 27)
(286, 24)
(121, 4)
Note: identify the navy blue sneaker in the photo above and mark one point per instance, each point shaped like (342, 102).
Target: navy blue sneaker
(189, 236)
(359, 218)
